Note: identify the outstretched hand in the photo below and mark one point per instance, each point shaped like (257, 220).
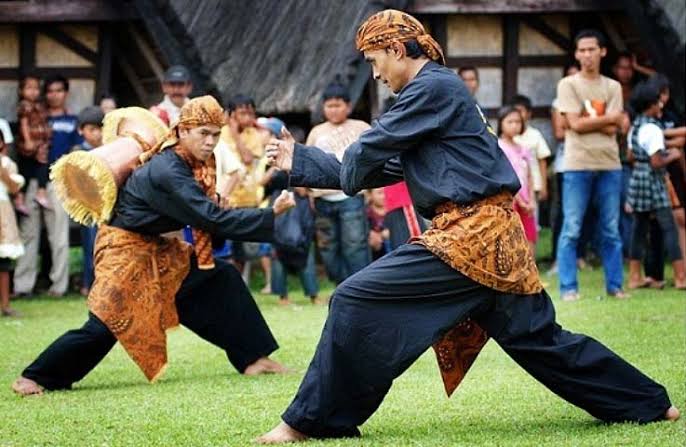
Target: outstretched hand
(279, 152)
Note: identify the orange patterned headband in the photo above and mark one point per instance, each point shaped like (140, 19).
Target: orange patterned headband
(386, 27)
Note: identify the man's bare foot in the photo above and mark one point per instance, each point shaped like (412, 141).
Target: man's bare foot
(672, 414)
(316, 301)
(26, 387)
(265, 365)
(284, 302)
(281, 434)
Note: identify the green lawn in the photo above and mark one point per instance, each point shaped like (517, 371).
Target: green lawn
(201, 401)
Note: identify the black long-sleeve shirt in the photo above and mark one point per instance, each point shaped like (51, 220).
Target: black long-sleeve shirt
(434, 136)
(162, 196)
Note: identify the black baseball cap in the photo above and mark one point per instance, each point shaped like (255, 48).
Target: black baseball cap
(177, 73)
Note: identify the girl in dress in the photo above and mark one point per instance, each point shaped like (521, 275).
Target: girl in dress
(510, 124)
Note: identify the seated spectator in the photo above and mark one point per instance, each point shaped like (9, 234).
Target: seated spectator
(379, 235)
(647, 188)
(10, 243)
(90, 129)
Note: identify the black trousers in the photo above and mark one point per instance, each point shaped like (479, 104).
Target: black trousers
(384, 317)
(215, 304)
(642, 227)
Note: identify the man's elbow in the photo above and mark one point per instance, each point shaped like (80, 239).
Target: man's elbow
(349, 188)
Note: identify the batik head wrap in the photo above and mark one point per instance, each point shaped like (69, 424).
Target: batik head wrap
(201, 111)
(383, 28)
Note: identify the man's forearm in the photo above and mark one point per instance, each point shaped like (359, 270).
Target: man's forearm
(314, 168)
(591, 124)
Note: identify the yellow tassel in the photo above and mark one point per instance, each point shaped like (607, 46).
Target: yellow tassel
(85, 186)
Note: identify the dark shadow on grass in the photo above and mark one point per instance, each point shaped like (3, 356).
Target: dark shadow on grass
(524, 429)
(139, 383)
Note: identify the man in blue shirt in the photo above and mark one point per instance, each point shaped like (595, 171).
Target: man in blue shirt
(467, 278)
(65, 135)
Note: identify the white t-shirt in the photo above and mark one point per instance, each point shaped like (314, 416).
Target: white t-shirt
(533, 140)
(651, 138)
(6, 131)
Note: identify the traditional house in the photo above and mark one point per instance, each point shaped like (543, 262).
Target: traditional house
(284, 53)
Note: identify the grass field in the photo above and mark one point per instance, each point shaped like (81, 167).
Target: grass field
(201, 401)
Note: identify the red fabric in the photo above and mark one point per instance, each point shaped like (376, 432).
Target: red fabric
(396, 196)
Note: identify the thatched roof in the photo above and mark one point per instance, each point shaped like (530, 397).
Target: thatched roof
(282, 53)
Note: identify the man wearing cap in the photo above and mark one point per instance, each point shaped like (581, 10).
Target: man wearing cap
(176, 86)
(467, 278)
(145, 284)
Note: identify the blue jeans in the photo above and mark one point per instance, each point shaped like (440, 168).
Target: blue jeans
(342, 231)
(88, 245)
(601, 190)
(308, 277)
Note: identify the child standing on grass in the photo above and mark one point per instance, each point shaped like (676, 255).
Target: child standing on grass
(510, 125)
(10, 242)
(33, 141)
(648, 189)
(90, 129)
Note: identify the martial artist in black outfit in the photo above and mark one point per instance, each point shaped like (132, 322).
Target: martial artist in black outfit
(384, 317)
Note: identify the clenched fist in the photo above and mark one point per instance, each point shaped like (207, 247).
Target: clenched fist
(283, 203)
(279, 152)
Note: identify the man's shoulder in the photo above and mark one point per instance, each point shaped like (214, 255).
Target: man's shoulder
(438, 77)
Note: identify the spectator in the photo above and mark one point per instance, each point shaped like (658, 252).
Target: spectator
(33, 141)
(470, 77)
(379, 235)
(176, 86)
(108, 103)
(297, 227)
(675, 137)
(532, 140)
(624, 70)
(90, 129)
(592, 107)
(559, 125)
(10, 244)
(510, 125)
(647, 189)
(247, 142)
(7, 136)
(64, 137)
(341, 220)
(293, 249)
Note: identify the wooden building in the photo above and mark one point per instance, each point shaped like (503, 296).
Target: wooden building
(284, 53)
